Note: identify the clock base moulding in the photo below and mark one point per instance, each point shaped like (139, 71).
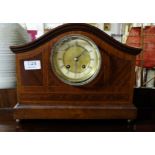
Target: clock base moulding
(22, 111)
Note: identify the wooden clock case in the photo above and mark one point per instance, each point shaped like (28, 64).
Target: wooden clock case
(41, 95)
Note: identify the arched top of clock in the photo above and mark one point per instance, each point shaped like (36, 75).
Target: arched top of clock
(75, 27)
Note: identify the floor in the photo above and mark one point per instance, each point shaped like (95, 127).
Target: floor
(8, 124)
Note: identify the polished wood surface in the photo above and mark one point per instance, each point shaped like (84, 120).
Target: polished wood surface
(144, 99)
(41, 95)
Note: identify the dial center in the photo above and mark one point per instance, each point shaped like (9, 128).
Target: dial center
(76, 59)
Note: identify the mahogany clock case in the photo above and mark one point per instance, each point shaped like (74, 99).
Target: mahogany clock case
(41, 95)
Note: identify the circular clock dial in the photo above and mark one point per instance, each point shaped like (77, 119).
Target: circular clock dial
(75, 60)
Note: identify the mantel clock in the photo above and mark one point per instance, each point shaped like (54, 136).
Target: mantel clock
(75, 71)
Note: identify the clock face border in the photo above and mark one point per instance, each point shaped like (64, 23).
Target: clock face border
(97, 52)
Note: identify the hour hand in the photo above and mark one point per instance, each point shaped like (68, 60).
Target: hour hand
(75, 67)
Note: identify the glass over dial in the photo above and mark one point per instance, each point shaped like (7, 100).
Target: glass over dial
(75, 60)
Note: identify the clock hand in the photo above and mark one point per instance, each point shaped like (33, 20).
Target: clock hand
(76, 59)
(75, 67)
(81, 54)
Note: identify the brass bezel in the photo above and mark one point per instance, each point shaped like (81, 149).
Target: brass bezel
(64, 78)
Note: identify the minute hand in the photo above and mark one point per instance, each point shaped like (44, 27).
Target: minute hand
(81, 54)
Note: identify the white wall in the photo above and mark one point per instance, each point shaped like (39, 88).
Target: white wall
(116, 31)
